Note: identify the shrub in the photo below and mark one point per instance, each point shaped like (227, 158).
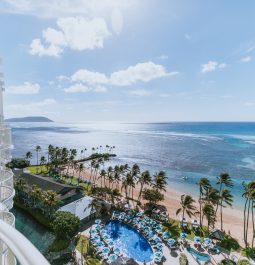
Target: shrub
(183, 259)
(18, 163)
(65, 225)
(227, 262)
(243, 262)
(229, 243)
(59, 244)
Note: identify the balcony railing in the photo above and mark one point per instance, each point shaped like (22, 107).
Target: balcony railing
(6, 196)
(20, 247)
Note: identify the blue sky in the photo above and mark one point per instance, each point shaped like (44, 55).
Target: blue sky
(135, 60)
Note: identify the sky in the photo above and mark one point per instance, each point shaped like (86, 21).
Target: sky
(129, 61)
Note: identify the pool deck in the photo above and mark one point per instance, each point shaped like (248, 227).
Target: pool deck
(172, 256)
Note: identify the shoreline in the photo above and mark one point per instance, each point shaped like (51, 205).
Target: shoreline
(232, 217)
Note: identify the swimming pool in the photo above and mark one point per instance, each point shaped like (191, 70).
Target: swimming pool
(200, 256)
(129, 241)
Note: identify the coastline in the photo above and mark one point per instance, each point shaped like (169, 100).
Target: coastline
(232, 217)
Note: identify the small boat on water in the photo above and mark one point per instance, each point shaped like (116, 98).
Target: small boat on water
(184, 177)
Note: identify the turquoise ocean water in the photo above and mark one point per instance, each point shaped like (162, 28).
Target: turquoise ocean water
(193, 150)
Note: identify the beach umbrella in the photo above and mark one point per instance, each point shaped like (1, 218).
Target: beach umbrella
(95, 237)
(93, 231)
(171, 241)
(97, 221)
(139, 214)
(197, 239)
(183, 235)
(100, 244)
(151, 233)
(112, 257)
(110, 244)
(141, 223)
(165, 234)
(160, 246)
(117, 251)
(105, 250)
(146, 228)
(156, 238)
(158, 254)
(207, 241)
(96, 227)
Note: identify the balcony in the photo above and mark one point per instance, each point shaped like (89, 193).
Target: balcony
(6, 196)
(18, 246)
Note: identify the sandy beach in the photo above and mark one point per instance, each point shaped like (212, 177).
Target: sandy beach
(232, 218)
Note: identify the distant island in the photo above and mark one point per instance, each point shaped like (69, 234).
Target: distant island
(30, 119)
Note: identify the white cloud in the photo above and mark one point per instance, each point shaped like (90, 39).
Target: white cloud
(140, 72)
(100, 89)
(26, 88)
(77, 88)
(83, 80)
(140, 93)
(76, 33)
(89, 77)
(37, 48)
(212, 66)
(81, 88)
(245, 59)
(144, 72)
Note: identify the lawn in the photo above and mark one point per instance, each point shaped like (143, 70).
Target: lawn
(41, 169)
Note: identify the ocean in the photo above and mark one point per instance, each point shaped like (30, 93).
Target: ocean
(191, 149)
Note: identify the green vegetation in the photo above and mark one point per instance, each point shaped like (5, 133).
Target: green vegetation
(18, 163)
(87, 250)
(43, 170)
(183, 260)
(59, 244)
(249, 253)
(227, 262)
(229, 243)
(38, 203)
(243, 262)
(36, 214)
(65, 225)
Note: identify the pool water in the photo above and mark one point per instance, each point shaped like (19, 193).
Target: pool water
(129, 241)
(198, 255)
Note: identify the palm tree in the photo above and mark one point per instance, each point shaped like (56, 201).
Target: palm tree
(95, 207)
(204, 184)
(249, 195)
(226, 198)
(224, 180)
(144, 179)
(37, 149)
(50, 201)
(160, 181)
(42, 162)
(29, 155)
(80, 168)
(209, 213)
(186, 206)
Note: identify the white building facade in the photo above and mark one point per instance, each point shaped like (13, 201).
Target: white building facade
(13, 245)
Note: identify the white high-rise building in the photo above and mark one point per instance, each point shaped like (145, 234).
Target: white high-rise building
(13, 245)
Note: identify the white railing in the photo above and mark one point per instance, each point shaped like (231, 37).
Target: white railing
(25, 252)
